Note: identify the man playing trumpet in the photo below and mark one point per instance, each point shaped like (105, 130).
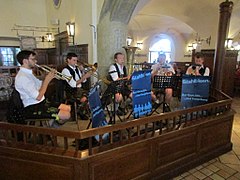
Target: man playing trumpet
(73, 88)
(30, 88)
(162, 68)
(198, 69)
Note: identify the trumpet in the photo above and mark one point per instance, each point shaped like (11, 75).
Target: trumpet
(58, 75)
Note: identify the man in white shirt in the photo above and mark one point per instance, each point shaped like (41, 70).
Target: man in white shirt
(73, 87)
(118, 71)
(198, 69)
(162, 68)
(30, 88)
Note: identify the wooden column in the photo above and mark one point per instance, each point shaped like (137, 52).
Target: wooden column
(223, 28)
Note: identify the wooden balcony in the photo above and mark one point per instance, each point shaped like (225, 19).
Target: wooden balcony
(158, 146)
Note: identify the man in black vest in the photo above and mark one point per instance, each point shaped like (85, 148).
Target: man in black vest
(118, 72)
(198, 69)
(73, 88)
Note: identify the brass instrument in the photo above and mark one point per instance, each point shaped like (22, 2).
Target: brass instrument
(91, 68)
(107, 82)
(58, 75)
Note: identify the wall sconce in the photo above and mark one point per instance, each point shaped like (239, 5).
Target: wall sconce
(140, 45)
(49, 37)
(198, 41)
(129, 41)
(189, 48)
(194, 45)
(71, 29)
(228, 43)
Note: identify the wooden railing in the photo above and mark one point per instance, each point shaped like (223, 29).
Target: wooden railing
(56, 141)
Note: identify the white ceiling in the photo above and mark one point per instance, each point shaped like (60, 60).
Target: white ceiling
(183, 18)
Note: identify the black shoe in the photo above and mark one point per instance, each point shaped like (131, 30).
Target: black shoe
(122, 110)
(130, 106)
(167, 108)
(156, 105)
(119, 113)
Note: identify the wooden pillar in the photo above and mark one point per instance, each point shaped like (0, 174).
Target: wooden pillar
(223, 28)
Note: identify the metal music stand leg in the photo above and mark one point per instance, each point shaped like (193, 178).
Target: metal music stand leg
(130, 114)
(164, 82)
(90, 122)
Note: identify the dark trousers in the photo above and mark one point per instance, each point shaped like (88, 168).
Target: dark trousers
(37, 111)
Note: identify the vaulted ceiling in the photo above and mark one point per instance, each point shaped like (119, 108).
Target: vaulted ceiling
(182, 18)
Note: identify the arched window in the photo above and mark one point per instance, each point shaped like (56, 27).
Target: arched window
(163, 46)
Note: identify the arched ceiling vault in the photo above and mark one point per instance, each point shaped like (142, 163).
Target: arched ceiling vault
(184, 17)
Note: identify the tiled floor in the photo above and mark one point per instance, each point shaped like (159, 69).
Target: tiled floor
(226, 166)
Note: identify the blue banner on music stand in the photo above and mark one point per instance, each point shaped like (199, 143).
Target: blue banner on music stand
(141, 90)
(98, 116)
(195, 90)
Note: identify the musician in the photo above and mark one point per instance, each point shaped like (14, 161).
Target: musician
(94, 78)
(30, 88)
(198, 69)
(73, 87)
(118, 71)
(162, 68)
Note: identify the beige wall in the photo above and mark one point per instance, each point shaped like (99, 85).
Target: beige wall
(42, 13)
(20, 12)
(80, 12)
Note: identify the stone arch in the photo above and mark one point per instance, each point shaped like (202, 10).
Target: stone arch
(112, 30)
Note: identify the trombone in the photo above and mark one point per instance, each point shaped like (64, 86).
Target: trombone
(58, 75)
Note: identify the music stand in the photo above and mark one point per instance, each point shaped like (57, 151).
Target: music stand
(113, 88)
(162, 83)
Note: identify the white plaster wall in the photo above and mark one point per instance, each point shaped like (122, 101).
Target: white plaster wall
(80, 12)
(21, 12)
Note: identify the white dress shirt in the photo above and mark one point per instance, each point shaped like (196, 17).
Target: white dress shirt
(190, 71)
(28, 87)
(113, 71)
(72, 82)
(162, 69)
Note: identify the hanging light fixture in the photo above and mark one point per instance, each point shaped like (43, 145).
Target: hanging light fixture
(140, 45)
(194, 45)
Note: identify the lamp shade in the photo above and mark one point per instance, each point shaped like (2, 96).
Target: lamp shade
(228, 43)
(140, 45)
(70, 28)
(49, 37)
(129, 41)
(194, 45)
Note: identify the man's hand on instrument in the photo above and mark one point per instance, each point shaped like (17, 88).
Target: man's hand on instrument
(87, 75)
(51, 75)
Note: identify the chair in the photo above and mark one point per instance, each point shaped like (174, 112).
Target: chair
(15, 113)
